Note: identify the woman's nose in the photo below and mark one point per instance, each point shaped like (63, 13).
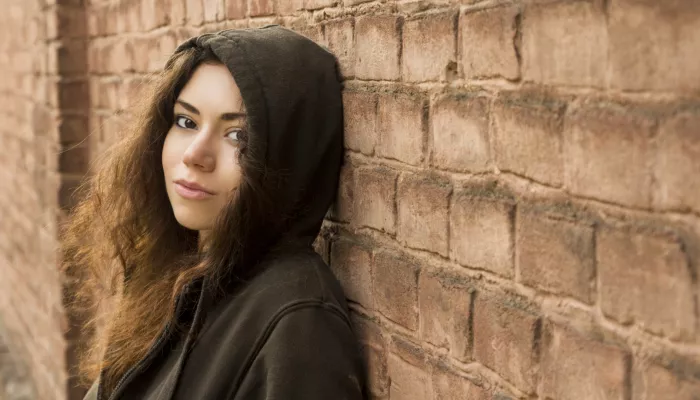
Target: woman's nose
(200, 153)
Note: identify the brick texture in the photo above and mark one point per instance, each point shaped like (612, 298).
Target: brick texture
(517, 215)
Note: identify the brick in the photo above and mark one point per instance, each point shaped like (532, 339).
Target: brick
(178, 12)
(259, 8)
(452, 386)
(607, 149)
(154, 14)
(401, 127)
(423, 204)
(377, 47)
(504, 338)
(351, 263)
(237, 9)
(487, 43)
(289, 7)
(565, 43)
(71, 58)
(654, 59)
(67, 196)
(445, 303)
(653, 382)
(646, 280)
(555, 255)
(395, 288)
(342, 208)
(360, 121)
(575, 368)
(318, 4)
(195, 12)
(375, 352)
(459, 129)
(428, 47)
(408, 382)
(73, 95)
(71, 23)
(340, 39)
(678, 146)
(74, 159)
(213, 10)
(488, 223)
(375, 199)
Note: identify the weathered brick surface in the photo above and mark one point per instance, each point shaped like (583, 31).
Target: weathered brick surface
(574, 367)
(422, 204)
(395, 287)
(556, 255)
(646, 280)
(565, 43)
(488, 43)
(428, 47)
(568, 130)
(505, 333)
(378, 47)
(459, 131)
(527, 136)
(607, 153)
(488, 223)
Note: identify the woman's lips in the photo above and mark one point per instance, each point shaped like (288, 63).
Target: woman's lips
(191, 193)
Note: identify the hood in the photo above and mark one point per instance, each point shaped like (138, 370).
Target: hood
(292, 92)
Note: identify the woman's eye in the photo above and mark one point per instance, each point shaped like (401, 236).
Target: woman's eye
(185, 123)
(234, 135)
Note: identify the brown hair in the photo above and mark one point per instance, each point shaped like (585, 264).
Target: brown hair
(122, 238)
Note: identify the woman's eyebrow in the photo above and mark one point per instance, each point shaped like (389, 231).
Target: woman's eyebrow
(231, 116)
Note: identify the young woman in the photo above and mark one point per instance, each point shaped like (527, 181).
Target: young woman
(209, 208)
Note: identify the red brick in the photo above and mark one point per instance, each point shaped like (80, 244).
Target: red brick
(654, 59)
(449, 385)
(213, 10)
(677, 160)
(459, 129)
(195, 12)
(237, 9)
(401, 128)
(395, 288)
(351, 263)
(408, 382)
(444, 303)
(653, 382)
(374, 205)
(259, 8)
(342, 208)
(504, 338)
(360, 121)
(487, 39)
(488, 223)
(575, 368)
(565, 43)
(374, 346)
(646, 280)
(423, 204)
(428, 47)
(557, 256)
(607, 150)
(340, 40)
(378, 47)
(318, 4)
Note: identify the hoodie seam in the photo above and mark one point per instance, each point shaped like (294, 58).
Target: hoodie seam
(272, 324)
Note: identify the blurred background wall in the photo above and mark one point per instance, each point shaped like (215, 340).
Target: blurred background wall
(518, 217)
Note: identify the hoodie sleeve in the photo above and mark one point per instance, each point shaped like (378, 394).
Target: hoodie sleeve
(311, 354)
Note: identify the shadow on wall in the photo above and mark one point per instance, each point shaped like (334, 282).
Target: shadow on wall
(15, 382)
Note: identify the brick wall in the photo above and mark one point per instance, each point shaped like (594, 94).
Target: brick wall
(519, 214)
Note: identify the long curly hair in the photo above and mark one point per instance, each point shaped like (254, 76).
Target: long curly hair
(122, 241)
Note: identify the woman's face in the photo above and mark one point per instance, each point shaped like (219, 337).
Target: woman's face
(200, 154)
